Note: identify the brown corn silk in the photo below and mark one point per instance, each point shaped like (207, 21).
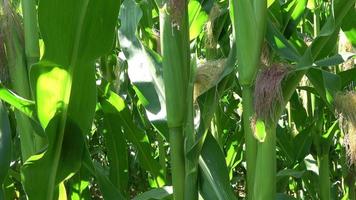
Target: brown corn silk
(345, 104)
(176, 8)
(268, 91)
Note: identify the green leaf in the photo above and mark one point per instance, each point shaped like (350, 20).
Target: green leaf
(61, 160)
(72, 44)
(78, 185)
(214, 177)
(328, 35)
(108, 190)
(75, 33)
(298, 112)
(328, 28)
(5, 146)
(208, 103)
(115, 105)
(145, 69)
(50, 91)
(319, 46)
(347, 77)
(197, 18)
(280, 44)
(280, 196)
(302, 143)
(141, 98)
(294, 16)
(23, 105)
(349, 26)
(25, 118)
(285, 145)
(326, 84)
(335, 60)
(290, 173)
(86, 29)
(163, 193)
(328, 135)
(117, 152)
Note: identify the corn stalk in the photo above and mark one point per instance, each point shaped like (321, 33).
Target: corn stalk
(249, 21)
(176, 72)
(32, 49)
(18, 71)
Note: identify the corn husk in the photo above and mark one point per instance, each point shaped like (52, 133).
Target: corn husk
(345, 104)
(209, 27)
(207, 75)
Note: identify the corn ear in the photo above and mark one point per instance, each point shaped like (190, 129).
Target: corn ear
(249, 27)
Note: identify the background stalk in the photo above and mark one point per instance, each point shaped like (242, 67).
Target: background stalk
(19, 79)
(18, 71)
(32, 49)
(191, 160)
(324, 179)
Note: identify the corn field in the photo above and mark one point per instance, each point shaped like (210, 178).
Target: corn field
(178, 99)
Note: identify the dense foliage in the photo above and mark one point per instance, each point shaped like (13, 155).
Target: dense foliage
(177, 99)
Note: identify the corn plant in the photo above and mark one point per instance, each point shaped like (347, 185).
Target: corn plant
(177, 99)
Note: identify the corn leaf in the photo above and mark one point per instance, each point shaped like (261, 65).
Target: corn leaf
(108, 190)
(326, 83)
(294, 16)
(214, 174)
(280, 44)
(5, 146)
(163, 193)
(347, 77)
(115, 106)
(25, 106)
(197, 18)
(349, 26)
(145, 69)
(75, 33)
(117, 152)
